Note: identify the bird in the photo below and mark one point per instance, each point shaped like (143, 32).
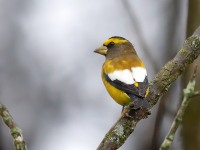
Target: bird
(123, 73)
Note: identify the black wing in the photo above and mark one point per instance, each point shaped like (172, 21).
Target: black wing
(139, 91)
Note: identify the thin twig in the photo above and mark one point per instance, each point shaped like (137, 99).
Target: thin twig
(188, 94)
(118, 134)
(14, 130)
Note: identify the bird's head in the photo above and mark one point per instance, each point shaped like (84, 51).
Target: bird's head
(115, 46)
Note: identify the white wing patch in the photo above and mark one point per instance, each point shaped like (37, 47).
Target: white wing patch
(123, 76)
(136, 74)
(139, 73)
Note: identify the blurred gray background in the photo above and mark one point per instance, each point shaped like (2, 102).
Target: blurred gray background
(50, 78)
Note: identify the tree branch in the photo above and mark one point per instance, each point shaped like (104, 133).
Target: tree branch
(14, 130)
(189, 92)
(121, 130)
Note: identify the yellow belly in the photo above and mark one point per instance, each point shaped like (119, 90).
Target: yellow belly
(119, 96)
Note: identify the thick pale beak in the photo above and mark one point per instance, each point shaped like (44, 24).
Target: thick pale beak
(101, 50)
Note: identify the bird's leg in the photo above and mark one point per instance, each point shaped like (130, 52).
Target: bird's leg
(125, 113)
(137, 109)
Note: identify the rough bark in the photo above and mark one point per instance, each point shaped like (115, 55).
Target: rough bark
(15, 132)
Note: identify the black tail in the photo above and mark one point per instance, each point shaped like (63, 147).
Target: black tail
(139, 102)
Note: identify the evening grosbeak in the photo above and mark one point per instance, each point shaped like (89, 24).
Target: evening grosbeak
(123, 73)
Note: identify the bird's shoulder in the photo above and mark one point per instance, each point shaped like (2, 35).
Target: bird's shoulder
(123, 62)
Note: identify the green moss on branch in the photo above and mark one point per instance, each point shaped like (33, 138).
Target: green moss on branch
(14, 130)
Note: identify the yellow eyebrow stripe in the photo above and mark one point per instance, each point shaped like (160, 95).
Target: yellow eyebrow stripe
(115, 40)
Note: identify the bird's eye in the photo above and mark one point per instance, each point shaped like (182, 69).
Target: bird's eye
(110, 44)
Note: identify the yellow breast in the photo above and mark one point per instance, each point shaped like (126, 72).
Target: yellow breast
(119, 96)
